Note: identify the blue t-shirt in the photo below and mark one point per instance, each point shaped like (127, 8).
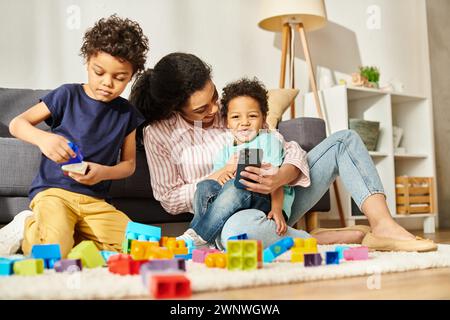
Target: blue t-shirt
(273, 153)
(98, 128)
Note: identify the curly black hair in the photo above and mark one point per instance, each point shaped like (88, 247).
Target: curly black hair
(121, 38)
(160, 92)
(245, 87)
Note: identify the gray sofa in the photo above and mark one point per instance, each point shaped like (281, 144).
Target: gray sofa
(19, 162)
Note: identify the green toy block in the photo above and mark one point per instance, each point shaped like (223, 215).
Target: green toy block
(126, 246)
(88, 253)
(242, 254)
(29, 267)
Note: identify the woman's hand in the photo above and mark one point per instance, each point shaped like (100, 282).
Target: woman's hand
(94, 174)
(277, 215)
(56, 148)
(268, 178)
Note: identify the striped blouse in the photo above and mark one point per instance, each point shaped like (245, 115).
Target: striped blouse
(180, 154)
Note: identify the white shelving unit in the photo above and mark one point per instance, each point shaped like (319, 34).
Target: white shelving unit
(411, 113)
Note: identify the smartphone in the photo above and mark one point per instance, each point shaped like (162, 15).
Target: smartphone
(247, 157)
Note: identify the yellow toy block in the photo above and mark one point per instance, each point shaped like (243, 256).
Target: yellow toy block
(302, 246)
(159, 253)
(29, 267)
(216, 260)
(244, 254)
(140, 250)
(88, 253)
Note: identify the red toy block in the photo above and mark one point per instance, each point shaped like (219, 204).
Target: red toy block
(357, 253)
(124, 264)
(169, 286)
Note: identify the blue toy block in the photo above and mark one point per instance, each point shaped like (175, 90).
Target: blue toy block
(340, 250)
(242, 236)
(143, 232)
(278, 248)
(312, 259)
(6, 267)
(50, 253)
(332, 257)
(184, 256)
(106, 254)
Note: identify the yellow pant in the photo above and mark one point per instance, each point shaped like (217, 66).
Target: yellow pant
(67, 218)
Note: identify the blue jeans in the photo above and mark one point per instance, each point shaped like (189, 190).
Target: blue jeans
(341, 154)
(214, 204)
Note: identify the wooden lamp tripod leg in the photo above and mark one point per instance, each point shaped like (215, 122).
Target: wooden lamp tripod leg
(314, 221)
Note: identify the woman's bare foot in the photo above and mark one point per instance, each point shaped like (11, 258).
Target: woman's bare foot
(334, 237)
(391, 229)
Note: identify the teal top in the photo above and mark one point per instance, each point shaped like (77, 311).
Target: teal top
(273, 153)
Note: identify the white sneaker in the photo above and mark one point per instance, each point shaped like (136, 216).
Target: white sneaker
(191, 235)
(11, 235)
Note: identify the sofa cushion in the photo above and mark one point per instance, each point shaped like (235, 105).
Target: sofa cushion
(19, 163)
(15, 101)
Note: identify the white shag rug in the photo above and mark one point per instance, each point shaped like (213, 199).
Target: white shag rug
(100, 284)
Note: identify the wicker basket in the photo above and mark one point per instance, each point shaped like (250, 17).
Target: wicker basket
(367, 130)
(414, 195)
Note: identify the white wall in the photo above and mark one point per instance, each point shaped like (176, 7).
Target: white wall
(40, 50)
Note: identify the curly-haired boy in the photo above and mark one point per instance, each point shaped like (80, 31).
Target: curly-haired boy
(244, 106)
(69, 208)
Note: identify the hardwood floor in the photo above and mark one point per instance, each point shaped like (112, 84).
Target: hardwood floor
(422, 284)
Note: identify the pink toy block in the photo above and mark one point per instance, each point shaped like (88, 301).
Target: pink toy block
(357, 253)
(198, 255)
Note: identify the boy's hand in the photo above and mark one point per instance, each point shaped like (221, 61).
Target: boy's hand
(277, 215)
(224, 177)
(56, 148)
(94, 174)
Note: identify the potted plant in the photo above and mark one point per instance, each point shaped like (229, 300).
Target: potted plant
(372, 74)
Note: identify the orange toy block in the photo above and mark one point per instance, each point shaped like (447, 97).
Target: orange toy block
(216, 260)
(140, 250)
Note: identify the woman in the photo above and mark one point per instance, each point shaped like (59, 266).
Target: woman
(183, 132)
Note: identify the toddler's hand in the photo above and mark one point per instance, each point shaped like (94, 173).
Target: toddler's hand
(277, 215)
(94, 174)
(56, 148)
(231, 165)
(224, 177)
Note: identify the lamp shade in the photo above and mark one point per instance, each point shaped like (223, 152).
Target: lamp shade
(275, 13)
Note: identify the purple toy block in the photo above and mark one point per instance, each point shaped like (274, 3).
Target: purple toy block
(198, 255)
(358, 253)
(164, 264)
(71, 265)
(332, 257)
(312, 259)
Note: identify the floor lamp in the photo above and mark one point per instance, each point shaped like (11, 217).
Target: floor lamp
(287, 17)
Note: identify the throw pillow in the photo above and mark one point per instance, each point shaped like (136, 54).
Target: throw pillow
(279, 100)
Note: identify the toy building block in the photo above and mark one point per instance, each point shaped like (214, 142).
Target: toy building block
(124, 264)
(184, 256)
(76, 164)
(216, 260)
(302, 246)
(145, 250)
(332, 257)
(29, 267)
(7, 264)
(312, 259)
(169, 286)
(50, 253)
(198, 255)
(244, 254)
(139, 231)
(126, 246)
(357, 253)
(70, 265)
(242, 236)
(278, 248)
(340, 250)
(106, 254)
(175, 246)
(88, 253)
(176, 264)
